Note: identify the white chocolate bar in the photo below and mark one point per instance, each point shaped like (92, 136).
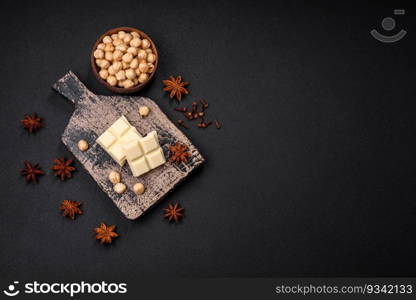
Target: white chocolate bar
(111, 139)
(143, 154)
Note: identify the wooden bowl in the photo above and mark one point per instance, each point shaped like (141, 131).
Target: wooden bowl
(116, 89)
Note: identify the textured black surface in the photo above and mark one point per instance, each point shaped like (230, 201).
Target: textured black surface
(313, 173)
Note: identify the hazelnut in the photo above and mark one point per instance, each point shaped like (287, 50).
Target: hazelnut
(117, 42)
(111, 80)
(143, 77)
(148, 50)
(128, 57)
(151, 58)
(135, 42)
(141, 54)
(128, 83)
(135, 34)
(143, 67)
(122, 48)
(99, 53)
(103, 74)
(138, 188)
(98, 62)
(107, 39)
(133, 50)
(121, 75)
(109, 48)
(114, 177)
(121, 34)
(130, 74)
(127, 38)
(117, 55)
(134, 63)
(112, 70)
(145, 43)
(104, 64)
(83, 145)
(119, 188)
(125, 65)
(101, 46)
(114, 36)
(109, 55)
(144, 111)
(151, 68)
(117, 66)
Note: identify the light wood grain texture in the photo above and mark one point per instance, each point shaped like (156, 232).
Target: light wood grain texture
(93, 115)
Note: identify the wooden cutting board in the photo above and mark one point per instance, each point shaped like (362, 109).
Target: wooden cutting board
(93, 115)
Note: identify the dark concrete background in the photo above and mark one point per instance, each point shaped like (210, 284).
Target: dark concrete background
(313, 173)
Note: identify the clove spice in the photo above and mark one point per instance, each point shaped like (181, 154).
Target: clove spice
(204, 103)
(182, 123)
(189, 115)
(181, 109)
(218, 124)
(201, 114)
(197, 111)
(203, 124)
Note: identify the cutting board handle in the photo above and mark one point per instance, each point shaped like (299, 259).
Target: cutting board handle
(72, 88)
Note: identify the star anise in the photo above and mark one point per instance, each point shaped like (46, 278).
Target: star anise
(70, 208)
(63, 168)
(105, 233)
(32, 123)
(179, 153)
(176, 87)
(31, 172)
(173, 212)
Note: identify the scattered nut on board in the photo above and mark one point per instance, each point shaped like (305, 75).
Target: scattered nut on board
(120, 188)
(83, 145)
(138, 188)
(114, 177)
(144, 111)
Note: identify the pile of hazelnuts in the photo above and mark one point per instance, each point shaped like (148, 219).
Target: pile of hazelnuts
(125, 59)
